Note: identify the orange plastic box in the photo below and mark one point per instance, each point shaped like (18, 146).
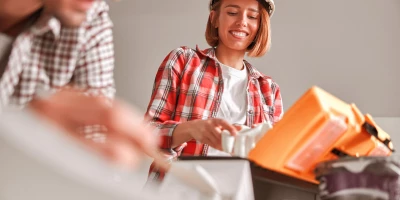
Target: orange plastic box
(318, 127)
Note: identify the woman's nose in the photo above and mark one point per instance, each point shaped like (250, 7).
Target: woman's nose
(242, 21)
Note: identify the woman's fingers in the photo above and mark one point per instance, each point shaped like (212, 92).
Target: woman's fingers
(224, 125)
(213, 143)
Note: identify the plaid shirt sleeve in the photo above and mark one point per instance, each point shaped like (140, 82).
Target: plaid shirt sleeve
(94, 70)
(161, 109)
(278, 106)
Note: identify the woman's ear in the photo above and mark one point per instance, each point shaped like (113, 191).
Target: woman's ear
(213, 20)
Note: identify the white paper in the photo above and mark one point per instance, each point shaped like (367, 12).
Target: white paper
(233, 178)
(245, 140)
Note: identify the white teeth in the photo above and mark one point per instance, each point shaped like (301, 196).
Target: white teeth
(239, 34)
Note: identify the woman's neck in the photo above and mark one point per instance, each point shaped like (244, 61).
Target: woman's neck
(229, 57)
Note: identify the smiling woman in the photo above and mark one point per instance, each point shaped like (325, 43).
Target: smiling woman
(258, 23)
(198, 93)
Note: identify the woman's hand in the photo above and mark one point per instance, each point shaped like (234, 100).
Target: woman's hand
(205, 131)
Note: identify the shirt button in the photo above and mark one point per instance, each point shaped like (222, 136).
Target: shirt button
(250, 112)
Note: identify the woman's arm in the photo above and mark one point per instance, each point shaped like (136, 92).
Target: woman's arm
(163, 100)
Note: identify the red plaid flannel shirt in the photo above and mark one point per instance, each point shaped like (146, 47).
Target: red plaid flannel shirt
(188, 86)
(48, 56)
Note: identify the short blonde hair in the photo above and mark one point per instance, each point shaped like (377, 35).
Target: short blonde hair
(262, 41)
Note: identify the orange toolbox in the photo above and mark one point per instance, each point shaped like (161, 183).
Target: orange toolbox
(318, 127)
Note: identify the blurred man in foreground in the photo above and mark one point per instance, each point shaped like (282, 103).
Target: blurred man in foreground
(47, 45)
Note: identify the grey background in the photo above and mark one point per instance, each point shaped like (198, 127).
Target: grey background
(349, 48)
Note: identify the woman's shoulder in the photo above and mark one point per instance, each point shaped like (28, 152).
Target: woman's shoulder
(182, 50)
(183, 57)
(191, 52)
(269, 82)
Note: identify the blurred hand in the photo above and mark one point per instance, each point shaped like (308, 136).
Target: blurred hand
(127, 139)
(208, 131)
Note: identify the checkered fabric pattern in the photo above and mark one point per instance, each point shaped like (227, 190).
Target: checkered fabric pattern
(48, 56)
(189, 86)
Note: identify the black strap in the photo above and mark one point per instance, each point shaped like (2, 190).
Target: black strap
(371, 129)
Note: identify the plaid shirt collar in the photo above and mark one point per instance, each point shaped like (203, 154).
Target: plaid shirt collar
(47, 23)
(253, 72)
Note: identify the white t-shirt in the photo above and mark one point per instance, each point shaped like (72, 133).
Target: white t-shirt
(234, 100)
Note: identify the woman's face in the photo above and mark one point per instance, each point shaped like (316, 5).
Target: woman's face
(237, 23)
